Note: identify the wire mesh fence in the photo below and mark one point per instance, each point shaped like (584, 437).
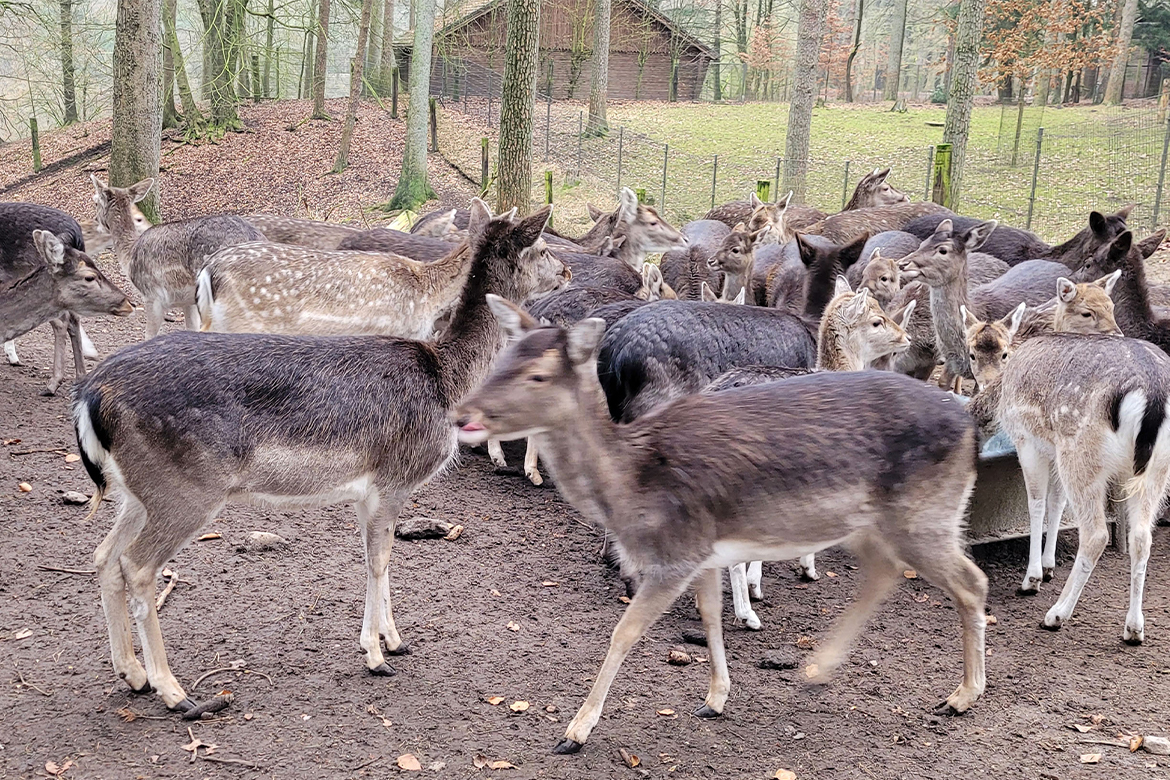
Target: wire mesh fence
(1046, 181)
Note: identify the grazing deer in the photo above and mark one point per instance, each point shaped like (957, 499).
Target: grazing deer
(278, 288)
(163, 262)
(64, 285)
(1085, 413)
(847, 226)
(854, 332)
(1135, 314)
(180, 425)
(767, 473)
(311, 233)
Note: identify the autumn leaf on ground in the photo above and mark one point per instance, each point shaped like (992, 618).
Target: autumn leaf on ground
(513, 625)
(480, 761)
(25, 487)
(805, 643)
(408, 762)
(666, 713)
(910, 574)
(52, 768)
(550, 584)
(1081, 727)
(519, 706)
(784, 774)
(494, 700)
(992, 620)
(1090, 758)
(208, 537)
(501, 765)
(72, 457)
(630, 759)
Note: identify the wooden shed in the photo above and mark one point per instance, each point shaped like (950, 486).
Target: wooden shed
(651, 57)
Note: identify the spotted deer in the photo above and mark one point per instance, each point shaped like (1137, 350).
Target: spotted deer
(311, 233)
(180, 425)
(758, 473)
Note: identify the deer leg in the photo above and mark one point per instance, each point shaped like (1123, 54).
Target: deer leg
(60, 344)
(808, 568)
(1037, 469)
(191, 317)
(880, 572)
(755, 574)
(966, 584)
(73, 328)
(170, 526)
(709, 590)
(1088, 504)
(532, 462)
(378, 537)
(155, 312)
(496, 453)
(1055, 509)
(655, 595)
(739, 597)
(1142, 510)
(10, 353)
(107, 561)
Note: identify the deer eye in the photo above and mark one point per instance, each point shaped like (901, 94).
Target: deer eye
(942, 250)
(1086, 314)
(877, 323)
(972, 355)
(885, 278)
(90, 278)
(1005, 356)
(538, 378)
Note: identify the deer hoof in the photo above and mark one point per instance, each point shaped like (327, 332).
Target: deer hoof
(383, 670)
(402, 649)
(1048, 574)
(185, 706)
(567, 747)
(946, 710)
(706, 713)
(1029, 588)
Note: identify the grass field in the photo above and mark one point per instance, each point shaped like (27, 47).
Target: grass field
(1092, 157)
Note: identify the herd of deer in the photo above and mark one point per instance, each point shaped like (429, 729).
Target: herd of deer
(346, 365)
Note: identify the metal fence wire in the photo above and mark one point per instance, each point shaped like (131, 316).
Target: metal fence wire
(1047, 182)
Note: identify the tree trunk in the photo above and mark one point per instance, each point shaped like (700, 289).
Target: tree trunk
(268, 48)
(516, 104)
(1114, 91)
(962, 94)
(219, 27)
(717, 46)
(355, 86)
(853, 51)
(137, 102)
(596, 124)
(386, 61)
(305, 86)
(192, 117)
(373, 45)
(170, 117)
(894, 63)
(320, 63)
(810, 28)
(413, 187)
(68, 76)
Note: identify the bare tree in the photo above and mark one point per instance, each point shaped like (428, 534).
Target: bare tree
(897, 39)
(357, 69)
(68, 75)
(137, 109)
(413, 187)
(1113, 91)
(320, 65)
(853, 50)
(219, 31)
(516, 104)
(597, 124)
(269, 43)
(386, 60)
(170, 117)
(964, 75)
(809, 29)
(717, 47)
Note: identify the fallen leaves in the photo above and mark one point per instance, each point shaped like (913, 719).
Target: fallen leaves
(624, 599)
(1090, 758)
(805, 642)
(666, 712)
(23, 633)
(513, 625)
(550, 584)
(8, 442)
(57, 770)
(480, 761)
(992, 620)
(209, 536)
(630, 759)
(519, 706)
(784, 774)
(494, 700)
(910, 574)
(25, 487)
(1081, 727)
(678, 657)
(194, 745)
(455, 532)
(72, 457)
(372, 710)
(408, 762)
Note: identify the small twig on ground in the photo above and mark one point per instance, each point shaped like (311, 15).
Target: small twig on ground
(240, 761)
(363, 766)
(65, 571)
(237, 666)
(1096, 741)
(172, 580)
(56, 450)
(25, 683)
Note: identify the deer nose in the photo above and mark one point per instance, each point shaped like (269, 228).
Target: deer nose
(124, 309)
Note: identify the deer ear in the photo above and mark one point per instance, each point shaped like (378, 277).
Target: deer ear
(755, 201)
(138, 191)
(101, 190)
(946, 226)
(1107, 283)
(594, 212)
(851, 253)
(627, 205)
(605, 247)
(786, 201)
(515, 321)
(740, 297)
(1017, 317)
(1121, 245)
(1065, 290)
(857, 307)
(528, 230)
(1125, 211)
(739, 228)
(969, 319)
(1097, 222)
(481, 215)
(51, 249)
(978, 235)
(1147, 246)
(584, 339)
(841, 287)
(706, 293)
(907, 313)
(651, 275)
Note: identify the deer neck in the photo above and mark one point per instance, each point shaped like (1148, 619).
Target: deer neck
(834, 351)
(27, 302)
(450, 270)
(122, 238)
(945, 301)
(467, 348)
(586, 458)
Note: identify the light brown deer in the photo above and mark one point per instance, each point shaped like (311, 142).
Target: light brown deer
(768, 472)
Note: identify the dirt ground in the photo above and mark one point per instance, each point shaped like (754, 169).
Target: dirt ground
(521, 607)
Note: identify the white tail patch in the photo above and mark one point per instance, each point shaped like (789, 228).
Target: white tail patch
(204, 298)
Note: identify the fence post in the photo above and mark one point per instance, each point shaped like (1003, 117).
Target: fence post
(845, 185)
(394, 92)
(665, 158)
(1161, 175)
(929, 170)
(483, 163)
(778, 160)
(547, 119)
(36, 144)
(941, 191)
(764, 190)
(641, 193)
(580, 132)
(434, 125)
(621, 139)
(1036, 174)
(714, 175)
(548, 192)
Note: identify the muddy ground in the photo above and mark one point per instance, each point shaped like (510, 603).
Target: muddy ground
(306, 708)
